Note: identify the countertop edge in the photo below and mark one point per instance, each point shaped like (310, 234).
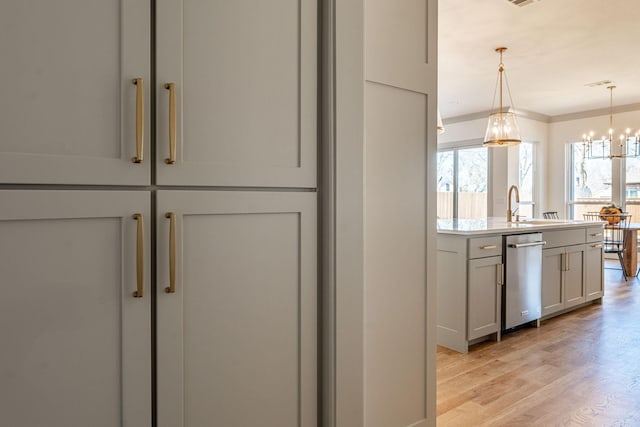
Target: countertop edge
(521, 227)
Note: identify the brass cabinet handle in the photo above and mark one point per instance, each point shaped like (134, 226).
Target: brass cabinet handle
(139, 256)
(171, 87)
(172, 253)
(598, 245)
(596, 234)
(488, 247)
(139, 119)
(501, 273)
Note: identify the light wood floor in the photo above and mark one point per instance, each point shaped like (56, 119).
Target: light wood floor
(578, 369)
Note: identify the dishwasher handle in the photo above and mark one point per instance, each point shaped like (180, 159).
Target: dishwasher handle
(526, 245)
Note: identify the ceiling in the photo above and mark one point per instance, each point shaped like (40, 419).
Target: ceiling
(555, 48)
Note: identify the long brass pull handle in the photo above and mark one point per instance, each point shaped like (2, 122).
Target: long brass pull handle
(139, 119)
(597, 246)
(171, 87)
(139, 256)
(172, 253)
(501, 274)
(488, 247)
(596, 234)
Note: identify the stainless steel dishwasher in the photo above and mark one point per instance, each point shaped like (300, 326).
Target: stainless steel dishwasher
(522, 293)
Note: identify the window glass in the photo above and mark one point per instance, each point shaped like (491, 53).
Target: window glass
(525, 181)
(632, 188)
(445, 184)
(462, 183)
(472, 182)
(590, 184)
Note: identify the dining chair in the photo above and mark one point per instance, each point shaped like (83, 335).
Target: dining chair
(550, 215)
(615, 233)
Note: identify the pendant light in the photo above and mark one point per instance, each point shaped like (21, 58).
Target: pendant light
(440, 125)
(502, 129)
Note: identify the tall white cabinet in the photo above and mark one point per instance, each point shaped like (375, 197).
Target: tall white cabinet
(70, 112)
(76, 342)
(240, 80)
(228, 210)
(237, 321)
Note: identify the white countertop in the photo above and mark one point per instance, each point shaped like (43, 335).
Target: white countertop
(500, 225)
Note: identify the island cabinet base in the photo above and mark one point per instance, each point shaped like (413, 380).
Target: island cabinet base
(470, 273)
(471, 278)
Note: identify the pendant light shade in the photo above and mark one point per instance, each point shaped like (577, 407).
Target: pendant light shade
(440, 125)
(502, 129)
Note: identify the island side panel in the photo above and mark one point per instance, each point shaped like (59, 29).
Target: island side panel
(452, 292)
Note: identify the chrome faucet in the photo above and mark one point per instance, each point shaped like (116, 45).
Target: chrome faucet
(509, 211)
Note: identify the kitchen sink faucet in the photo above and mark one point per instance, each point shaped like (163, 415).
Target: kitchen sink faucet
(509, 211)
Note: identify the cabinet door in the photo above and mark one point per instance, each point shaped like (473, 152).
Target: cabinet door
(68, 112)
(574, 283)
(594, 268)
(553, 265)
(237, 339)
(76, 343)
(484, 297)
(245, 92)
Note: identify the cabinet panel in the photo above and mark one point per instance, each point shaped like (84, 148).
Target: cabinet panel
(68, 110)
(552, 271)
(594, 264)
(246, 92)
(237, 339)
(574, 290)
(77, 344)
(484, 297)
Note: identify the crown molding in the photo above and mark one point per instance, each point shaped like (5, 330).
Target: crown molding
(532, 115)
(595, 113)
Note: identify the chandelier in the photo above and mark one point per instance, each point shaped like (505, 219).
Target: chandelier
(628, 145)
(502, 129)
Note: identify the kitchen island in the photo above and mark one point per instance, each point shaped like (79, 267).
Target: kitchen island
(471, 273)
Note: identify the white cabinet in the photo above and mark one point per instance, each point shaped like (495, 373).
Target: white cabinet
(244, 82)
(553, 265)
(574, 280)
(68, 113)
(563, 278)
(76, 343)
(237, 341)
(594, 277)
(567, 263)
(485, 296)
(237, 338)
(470, 278)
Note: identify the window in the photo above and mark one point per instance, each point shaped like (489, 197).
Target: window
(590, 185)
(632, 188)
(463, 174)
(526, 179)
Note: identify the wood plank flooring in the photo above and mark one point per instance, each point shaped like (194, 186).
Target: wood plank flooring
(578, 369)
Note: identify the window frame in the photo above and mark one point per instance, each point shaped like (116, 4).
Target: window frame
(456, 147)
